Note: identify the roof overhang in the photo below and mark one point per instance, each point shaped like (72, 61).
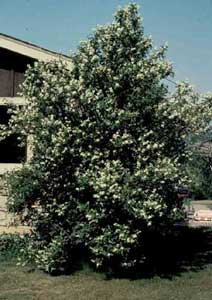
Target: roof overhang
(31, 50)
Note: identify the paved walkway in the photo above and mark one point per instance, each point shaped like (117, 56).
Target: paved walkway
(200, 213)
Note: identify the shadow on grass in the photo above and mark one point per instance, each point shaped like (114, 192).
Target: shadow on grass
(186, 249)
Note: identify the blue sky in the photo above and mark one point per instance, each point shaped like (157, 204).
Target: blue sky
(61, 24)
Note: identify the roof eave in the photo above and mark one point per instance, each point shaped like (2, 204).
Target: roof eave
(31, 50)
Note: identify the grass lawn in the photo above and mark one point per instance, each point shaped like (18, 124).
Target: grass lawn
(187, 276)
(18, 283)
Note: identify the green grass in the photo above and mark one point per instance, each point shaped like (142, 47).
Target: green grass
(183, 271)
(19, 283)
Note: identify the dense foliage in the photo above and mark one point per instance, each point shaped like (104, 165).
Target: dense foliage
(200, 166)
(12, 245)
(108, 143)
(200, 172)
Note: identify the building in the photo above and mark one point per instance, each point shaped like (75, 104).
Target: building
(15, 56)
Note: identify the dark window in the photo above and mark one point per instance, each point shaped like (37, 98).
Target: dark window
(12, 70)
(18, 79)
(6, 83)
(10, 151)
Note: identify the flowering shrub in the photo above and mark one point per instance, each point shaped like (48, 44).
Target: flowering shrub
(12, 245)
(108, 144)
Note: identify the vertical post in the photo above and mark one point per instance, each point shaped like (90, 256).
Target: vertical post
(29, 152)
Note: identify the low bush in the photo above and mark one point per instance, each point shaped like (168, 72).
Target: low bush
(12, 245)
